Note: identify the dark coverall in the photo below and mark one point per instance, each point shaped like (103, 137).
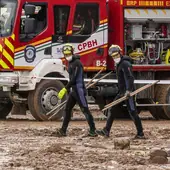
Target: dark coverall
(77, 95)
(125, 82)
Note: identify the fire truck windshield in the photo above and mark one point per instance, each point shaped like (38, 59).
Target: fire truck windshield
(7, 16)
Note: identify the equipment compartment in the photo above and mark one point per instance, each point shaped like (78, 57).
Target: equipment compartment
(147, 35)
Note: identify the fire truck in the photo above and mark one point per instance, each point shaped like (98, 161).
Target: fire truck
(33, 32)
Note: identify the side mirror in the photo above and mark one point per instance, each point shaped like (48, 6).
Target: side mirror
(29, 9)
(29, 26)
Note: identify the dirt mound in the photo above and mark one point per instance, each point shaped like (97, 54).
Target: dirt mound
(55, 148)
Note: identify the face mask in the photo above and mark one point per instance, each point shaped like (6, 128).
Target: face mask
(117, 60)
(69, 58)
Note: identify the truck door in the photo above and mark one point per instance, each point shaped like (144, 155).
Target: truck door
(32, 44)
(85, 31)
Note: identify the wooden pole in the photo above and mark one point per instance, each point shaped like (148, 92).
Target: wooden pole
(94, 77)
(99, 80)
(55, 108)
(63, 104)
(131, 94)
(56, 112)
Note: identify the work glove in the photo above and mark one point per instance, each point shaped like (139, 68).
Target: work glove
(127, 93)
(61, 93)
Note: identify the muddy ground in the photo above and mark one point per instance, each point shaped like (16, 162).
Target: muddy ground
(29, 145)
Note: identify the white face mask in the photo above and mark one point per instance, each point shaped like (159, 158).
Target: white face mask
(69, 58)
(117, 60)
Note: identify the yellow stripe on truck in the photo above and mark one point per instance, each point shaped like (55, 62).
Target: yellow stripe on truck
(69, 32)
(164, 11)
(0, 48)
(7, 56)
(13, 36)
(94, 68)
(9, 45)
(24, 67)
(3, 64)
(34, 44)
(138, 11)
(121, 2)
(103, 21)
(128, 10)
(155, 11)
(146, 11)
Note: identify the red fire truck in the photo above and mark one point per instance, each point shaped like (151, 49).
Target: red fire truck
(33, 32)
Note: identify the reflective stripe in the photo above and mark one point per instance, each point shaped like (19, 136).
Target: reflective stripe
(7, 56)
(3, 64)
(103, 21)
(13, 36)
(7, 52)
(69, 32)
(0, 48)
(34, 44)
(9, 45)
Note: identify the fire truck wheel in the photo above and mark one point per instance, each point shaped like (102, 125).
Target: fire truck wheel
(32, 110)
(5, 109)
(162, 95)
(44, 98)
(152, 109)
(160, 112)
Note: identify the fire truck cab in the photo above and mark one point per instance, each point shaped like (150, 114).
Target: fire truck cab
(33, 32)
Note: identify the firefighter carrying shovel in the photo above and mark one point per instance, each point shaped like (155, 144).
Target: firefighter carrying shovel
(126, 86)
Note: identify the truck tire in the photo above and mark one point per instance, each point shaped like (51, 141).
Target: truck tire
(152, 109)
(44, 98)
(5, 109)
(162, 95)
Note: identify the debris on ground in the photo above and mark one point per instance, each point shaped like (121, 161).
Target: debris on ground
(29, 145)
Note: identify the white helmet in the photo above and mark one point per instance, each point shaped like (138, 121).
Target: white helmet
(114, 50)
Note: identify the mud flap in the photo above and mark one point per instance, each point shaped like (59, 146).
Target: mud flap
(18, 109)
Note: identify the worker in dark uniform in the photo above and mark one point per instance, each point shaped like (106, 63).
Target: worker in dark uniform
(126, 86)
(77, 95)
